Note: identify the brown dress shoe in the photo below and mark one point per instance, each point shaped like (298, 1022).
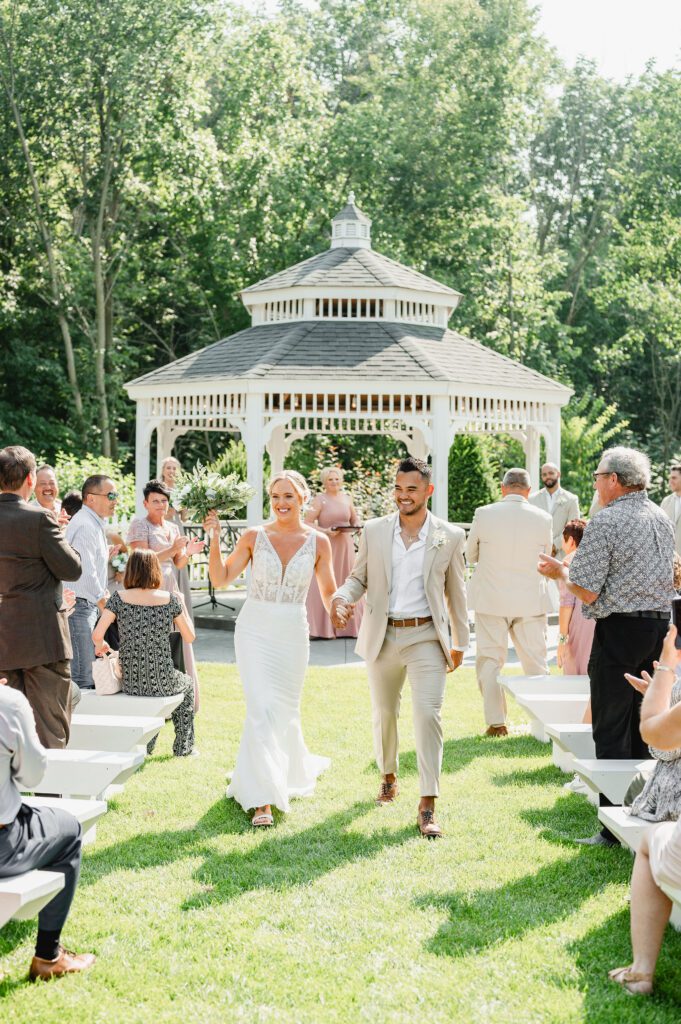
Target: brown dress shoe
(497, 730)
(66, 963)
(387, 793)
(428, 826)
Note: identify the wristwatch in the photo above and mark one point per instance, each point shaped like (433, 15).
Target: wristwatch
(563, 638)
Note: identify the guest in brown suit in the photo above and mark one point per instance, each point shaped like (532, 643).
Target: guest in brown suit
(35, 647)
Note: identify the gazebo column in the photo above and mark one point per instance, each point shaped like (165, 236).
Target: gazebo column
(532, 456)
(143, 429)
(254, 439)
(440, 452)
(276, 446)
(553, 436)
(164, 444)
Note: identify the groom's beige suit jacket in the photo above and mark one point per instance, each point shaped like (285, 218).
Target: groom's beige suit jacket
(669, 508)
(443, 574)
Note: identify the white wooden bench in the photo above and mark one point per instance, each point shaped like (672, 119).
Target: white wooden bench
(555, 708)
(88, 812)
(123, 704)
(544, 684)
(87, 773)
(112, 732)
(609, 776)
(628, 828)
(675, 896)
(24, 896)
(569, 742)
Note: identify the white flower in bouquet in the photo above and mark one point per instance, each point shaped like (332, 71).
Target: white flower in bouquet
(120, 561)
(202, 490)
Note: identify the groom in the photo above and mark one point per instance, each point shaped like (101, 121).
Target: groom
(411, 566)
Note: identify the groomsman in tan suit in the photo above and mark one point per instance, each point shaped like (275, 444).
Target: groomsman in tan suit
(671, 505)
(411, 567)
(505, 541)
(560, 504)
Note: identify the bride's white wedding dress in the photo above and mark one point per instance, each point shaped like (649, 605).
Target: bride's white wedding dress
(272, 646)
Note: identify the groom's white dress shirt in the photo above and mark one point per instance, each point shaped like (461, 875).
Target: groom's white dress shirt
(407, 587)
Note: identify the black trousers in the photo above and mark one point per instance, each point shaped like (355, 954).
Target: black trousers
(620, 645)
(49, 839)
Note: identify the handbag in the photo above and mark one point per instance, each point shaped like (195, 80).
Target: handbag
(107, 674)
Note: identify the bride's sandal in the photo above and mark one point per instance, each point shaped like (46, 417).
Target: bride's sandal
(633, 982)
(262, 820)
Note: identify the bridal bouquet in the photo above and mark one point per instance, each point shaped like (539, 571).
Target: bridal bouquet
(119, 561)
(202, 490)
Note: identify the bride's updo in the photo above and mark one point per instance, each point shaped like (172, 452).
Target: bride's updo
(296, 480)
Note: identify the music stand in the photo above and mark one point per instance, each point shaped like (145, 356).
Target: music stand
(213, 601)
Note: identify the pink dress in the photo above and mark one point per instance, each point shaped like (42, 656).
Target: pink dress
(333, 511)
(580, 634)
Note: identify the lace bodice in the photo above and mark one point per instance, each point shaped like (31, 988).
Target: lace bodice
(270, 583)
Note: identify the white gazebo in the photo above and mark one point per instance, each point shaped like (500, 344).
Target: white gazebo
(347, 342)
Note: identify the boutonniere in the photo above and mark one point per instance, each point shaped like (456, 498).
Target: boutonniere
(439, 538)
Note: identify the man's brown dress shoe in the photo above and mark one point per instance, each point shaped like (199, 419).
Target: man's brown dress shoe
(497, 730)
(65, 963)
(387, 793)
(427, 825)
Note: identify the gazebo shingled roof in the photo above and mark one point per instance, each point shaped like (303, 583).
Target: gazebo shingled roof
(348, 341)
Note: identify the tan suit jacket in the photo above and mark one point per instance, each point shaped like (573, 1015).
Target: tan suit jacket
(565, 508)
(504, 544)
(668, 507)
(34, 559)
(443, 574)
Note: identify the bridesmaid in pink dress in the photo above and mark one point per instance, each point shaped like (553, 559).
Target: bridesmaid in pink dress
(333, 507)
(573, 653)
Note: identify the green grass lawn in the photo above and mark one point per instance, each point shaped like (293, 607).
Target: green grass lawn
(342, 912)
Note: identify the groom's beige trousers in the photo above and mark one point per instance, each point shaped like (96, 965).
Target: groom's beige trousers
(413, 651)
(528, 634)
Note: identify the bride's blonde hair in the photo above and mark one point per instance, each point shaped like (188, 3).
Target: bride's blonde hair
(297, 481)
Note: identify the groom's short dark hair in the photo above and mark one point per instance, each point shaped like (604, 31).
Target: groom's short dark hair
(413, 465)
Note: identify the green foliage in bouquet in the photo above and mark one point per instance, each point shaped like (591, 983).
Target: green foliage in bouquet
(202, 490)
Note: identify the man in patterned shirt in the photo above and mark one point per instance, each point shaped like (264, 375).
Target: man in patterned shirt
(623, 572)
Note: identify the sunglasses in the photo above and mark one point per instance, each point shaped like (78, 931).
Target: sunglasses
(111, 495)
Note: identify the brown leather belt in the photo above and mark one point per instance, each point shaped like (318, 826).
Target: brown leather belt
(409, 622)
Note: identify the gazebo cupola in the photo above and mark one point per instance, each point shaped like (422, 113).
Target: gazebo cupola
(351, 229)
(347, 342)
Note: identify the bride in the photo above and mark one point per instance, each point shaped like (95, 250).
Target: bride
(272, 646)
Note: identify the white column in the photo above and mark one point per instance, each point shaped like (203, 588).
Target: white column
(276, 446)
(142, 451)
(553, 436)
(441, 446)
(164, 444)
(532, 456)
(255, 446)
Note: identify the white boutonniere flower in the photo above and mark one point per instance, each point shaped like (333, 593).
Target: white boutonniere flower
(439, 538)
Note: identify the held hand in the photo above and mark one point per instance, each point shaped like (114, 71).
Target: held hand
(211, 525)
(550, 567)
(457, 658)
(102, 649)
(340, 612)
(113, 550)
(69, 598)
(639, 684)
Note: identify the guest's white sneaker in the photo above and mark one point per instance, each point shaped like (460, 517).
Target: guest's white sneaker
(576, 786)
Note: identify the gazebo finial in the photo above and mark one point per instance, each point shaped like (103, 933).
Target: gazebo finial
(351, 198)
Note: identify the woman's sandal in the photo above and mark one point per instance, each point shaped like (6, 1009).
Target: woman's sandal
(262, 820)
(633, 982)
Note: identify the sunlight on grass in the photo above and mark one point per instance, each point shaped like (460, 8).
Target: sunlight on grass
(342, 913)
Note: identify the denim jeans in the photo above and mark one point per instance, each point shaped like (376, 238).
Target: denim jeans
(81, 623)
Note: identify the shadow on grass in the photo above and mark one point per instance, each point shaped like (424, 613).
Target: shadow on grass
(490, 916)
(609, 946)
(283, 862)
(547, 775)
(459, 753)
(571, 817)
